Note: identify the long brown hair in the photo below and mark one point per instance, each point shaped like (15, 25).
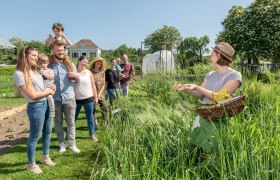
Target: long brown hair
(22, 65)
(67, 61)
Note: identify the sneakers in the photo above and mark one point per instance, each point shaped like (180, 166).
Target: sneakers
(75, 149)
(94, 138)
(47, 161)
(62, 147)
(34, 168)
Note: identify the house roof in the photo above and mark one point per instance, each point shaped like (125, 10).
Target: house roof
(4, 44)
(84, 43)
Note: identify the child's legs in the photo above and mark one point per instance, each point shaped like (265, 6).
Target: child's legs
(51, 102)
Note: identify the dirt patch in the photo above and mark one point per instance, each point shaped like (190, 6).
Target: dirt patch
(14, 129)
(11, 111)
(5, 108)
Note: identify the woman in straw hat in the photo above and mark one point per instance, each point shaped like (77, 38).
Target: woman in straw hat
(97, 69)
(224, 77)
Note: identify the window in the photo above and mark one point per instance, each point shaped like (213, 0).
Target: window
(84, 54)
(75, 55)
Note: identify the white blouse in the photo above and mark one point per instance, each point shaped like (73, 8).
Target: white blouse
(83, 89)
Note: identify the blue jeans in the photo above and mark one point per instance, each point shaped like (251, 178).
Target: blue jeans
(89, 109)
(39, 120)
(112, 94)
(125, 89)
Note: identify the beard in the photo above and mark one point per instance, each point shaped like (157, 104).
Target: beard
(60, 57)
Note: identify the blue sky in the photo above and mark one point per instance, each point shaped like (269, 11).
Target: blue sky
(110, 23)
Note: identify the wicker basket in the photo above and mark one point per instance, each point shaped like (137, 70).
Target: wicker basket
(228, 107)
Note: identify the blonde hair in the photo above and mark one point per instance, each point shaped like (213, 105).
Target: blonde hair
(67, 61)
(42, 58)
(22, 65)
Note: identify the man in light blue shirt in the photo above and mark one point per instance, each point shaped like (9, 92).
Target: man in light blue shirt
(65, 75)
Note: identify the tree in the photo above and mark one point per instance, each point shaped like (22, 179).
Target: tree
(18, 42)
(192, 49)
(166, 37)
(254, 32)
(42, 48)
(132, 53)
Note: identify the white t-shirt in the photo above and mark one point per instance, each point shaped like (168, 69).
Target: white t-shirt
(83, 89)
(37, 82)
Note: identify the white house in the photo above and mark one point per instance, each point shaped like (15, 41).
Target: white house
(84, 47)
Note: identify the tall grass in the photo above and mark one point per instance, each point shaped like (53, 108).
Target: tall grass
(153, 140)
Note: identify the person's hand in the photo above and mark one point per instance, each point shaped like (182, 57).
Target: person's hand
(95, 100)
(72, 74)
(50, 91)
(178, 87)
(42, 71)
(122, 76)
(190, 87)
(53, 87)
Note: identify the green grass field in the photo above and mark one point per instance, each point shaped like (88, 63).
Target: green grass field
(149, 139)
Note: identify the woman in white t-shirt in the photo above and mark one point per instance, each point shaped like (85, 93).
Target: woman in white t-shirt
(30, 84)
(85, 94)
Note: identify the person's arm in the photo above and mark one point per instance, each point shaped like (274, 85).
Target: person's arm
(119, 87)
(195, 93)
(102, 87)
(133, 70)
(93, 88)
(106, 84)
(230, 86)
(74, 74)
(48, 76)
(47, 41)
(119, 84)
(68, 42)
(37, 94)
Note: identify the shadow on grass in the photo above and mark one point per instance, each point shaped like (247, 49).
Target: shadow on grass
(10, 168)
(13, 145)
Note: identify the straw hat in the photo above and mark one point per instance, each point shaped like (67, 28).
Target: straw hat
(99, 59)
(225, 49)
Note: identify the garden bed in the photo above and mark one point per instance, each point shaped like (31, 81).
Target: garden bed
(14, 129)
